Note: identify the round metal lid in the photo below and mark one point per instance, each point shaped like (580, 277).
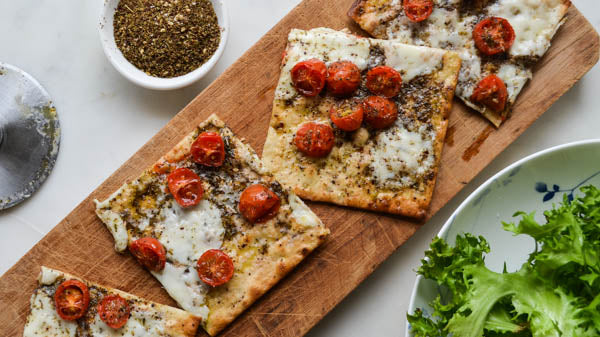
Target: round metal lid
(29, 135)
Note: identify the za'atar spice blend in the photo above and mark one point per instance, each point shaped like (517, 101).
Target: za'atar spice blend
(166, 38)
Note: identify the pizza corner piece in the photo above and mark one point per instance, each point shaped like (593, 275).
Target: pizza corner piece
(212, 225)
(360, 122)
(64, 306)
(498, 41)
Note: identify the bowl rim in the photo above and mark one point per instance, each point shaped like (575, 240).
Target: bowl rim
(450, 221)
(156, 83)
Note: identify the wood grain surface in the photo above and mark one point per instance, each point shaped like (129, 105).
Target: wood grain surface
(359, 242)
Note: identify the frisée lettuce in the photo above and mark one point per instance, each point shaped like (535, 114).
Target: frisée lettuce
(556, 293)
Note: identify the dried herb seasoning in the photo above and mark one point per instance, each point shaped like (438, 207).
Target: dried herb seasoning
(166, 38)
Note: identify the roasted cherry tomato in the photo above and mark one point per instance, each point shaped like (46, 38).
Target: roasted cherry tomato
(384, 81)
(186, 187)
(72, 299)
(114, 311)
(493, 35)
(347, 115)
(418, 10)
(208, 149)
(380, 112)
(491, 92)
(343, 78)
(258, 203)
(309, 77)
(215, 267)
(314, 139)
(149, 252)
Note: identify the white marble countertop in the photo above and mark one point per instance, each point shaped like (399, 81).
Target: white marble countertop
(105, 119)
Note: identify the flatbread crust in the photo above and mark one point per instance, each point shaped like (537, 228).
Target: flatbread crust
(384, 19)
(262, 254)
(174, 322)
(344, 177)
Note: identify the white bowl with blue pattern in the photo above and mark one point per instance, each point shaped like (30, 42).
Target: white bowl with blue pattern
(534, 183)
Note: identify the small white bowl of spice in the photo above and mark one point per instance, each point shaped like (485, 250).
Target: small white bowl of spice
(163, 44)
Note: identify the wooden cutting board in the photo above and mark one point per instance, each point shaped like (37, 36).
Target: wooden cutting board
(359, 242)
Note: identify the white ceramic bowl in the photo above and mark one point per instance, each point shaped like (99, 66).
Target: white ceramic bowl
(137, 76)
(534, 183)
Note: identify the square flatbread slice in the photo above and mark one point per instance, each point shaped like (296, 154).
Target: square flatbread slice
(450, 26)
(262, 253)
(391, 170)
(146, 319)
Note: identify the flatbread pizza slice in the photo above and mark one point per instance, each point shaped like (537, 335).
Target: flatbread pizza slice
(498, 41)
(67, 306)
(360, 122)
(212, 225)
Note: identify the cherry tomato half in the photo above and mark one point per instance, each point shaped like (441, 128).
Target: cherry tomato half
(343, 78)
(314, 139)
(186, 187)
(258, 203)
(493, 35)
(418, 10)
(309, 77)
(384, 81)
(491, 92)
(215, 267)
(72, 299)
(208, 149)
(347, 115)
(149, 252)
(114, 311)
(380, 112)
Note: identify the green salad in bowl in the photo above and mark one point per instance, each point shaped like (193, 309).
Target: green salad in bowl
(555, 293)
(520, 256)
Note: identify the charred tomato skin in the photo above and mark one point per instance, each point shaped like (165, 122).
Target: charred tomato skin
(417, 10)
(492, 93)
(208, 149)
(114, 310)
(215, 267)
(493, 35)
(347, 115)
(384, 81)
(258, 203)
(343, 78)
(380, 112)
(315, 139)
(185, 186)
(149, 252)
(309, 77)
(72, 298)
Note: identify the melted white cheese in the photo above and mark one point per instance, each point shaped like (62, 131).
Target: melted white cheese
(412, 61)
(324, 44)
(331, 46)
(186, 233)
(515, 77)
(400, 150)
(141, 323)
(44, 321)
(185, 287)
(48, 276)
(301, 212)
(535, 22)
(145, 319)
(113, 221)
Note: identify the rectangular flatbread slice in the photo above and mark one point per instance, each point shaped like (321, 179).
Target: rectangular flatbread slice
(390, 170)
(146, 319)
(450, 26)
(262, 253)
